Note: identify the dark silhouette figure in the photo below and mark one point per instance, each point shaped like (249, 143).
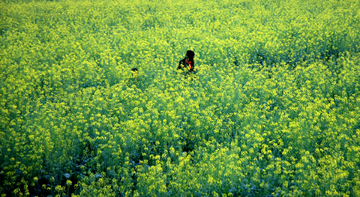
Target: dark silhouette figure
(134, 69)
(187, 62)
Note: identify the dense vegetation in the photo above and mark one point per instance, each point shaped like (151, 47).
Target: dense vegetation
(274, 108)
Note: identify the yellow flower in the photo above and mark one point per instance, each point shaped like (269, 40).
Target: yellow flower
(68, 183)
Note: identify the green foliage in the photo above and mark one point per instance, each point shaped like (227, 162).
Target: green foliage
(273, 109)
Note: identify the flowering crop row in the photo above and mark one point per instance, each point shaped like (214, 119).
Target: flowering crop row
(273, 109)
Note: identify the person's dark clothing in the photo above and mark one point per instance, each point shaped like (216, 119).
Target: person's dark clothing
(186, 64)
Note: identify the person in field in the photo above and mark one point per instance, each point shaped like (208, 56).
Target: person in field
(188, 62)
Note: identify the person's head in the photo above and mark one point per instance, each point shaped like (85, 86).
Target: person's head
(134, 69)
(190, 55)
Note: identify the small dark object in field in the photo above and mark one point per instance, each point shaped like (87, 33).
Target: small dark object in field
(134, 69)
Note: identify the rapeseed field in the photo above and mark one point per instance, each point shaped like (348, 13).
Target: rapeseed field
(273, 109)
